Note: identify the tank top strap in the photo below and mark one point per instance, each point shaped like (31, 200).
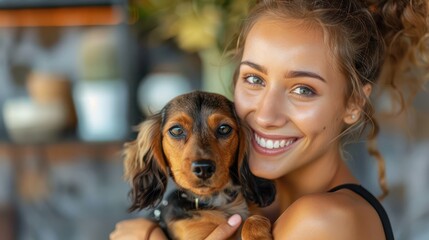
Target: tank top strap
(365, 194)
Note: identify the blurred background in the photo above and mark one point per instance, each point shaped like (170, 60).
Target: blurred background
(77, 75)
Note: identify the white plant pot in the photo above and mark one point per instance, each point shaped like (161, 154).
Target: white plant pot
(101, 110)
(30, 122)
(157, 89)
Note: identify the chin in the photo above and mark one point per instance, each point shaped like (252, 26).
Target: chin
(262, 169)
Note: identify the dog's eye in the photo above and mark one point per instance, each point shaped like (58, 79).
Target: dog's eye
(224, 130)
(176, 132)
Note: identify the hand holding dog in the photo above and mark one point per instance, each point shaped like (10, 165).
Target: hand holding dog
(136, 229)
(224, 231)
(143, 229)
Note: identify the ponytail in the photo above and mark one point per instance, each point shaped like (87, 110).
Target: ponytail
(403, 24)
(404, 27)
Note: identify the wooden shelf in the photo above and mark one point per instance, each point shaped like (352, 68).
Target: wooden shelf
(61, 16)
(15, 4)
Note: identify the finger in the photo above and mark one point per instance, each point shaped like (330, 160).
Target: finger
(117, 235)
(126, 235)
(137, 229)
(133, 223)
(113, 235)
(157, 234)
(226, 230)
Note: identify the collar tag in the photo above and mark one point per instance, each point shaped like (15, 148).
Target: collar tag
(197, 203)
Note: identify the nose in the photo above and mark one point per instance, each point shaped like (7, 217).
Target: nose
(271, 110)
(203, 169)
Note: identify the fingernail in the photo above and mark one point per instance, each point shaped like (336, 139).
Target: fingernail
(234, 220)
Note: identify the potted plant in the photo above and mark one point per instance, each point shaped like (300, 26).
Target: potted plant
(100, 95)
(206, 27)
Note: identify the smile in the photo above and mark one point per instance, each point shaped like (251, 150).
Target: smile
(272, 146)
(273, 143)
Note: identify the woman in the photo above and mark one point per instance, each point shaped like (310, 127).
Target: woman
(307, 69)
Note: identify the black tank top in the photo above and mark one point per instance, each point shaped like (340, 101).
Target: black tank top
(358, 189)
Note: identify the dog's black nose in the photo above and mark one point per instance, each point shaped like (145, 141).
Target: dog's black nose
(203, 169)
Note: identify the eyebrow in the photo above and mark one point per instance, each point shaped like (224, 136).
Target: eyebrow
(290, 74)
(255, 66)
(296, 74)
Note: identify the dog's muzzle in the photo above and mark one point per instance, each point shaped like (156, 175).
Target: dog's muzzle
(203, 169)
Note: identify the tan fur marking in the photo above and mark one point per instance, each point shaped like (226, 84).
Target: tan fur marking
(256, 227)
(198, 227)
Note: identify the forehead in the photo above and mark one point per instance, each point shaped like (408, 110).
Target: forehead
(298, 43)
(283, 31)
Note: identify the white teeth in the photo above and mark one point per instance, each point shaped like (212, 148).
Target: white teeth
(269, 144)
(276, 144)
(273, 144)
(262, 142)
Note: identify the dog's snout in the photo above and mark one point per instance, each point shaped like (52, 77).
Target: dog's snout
(204, 169)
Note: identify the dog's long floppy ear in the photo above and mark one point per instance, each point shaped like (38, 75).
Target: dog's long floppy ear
(144, 165)
(255, 189)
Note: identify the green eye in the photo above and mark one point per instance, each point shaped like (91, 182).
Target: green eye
(224, 130)
(254, 80)
(176, 132)
(304, 91)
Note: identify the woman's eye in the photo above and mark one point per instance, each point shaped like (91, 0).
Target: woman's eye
(304, 91)
(224, 130)
(177, 132)
(254, 80)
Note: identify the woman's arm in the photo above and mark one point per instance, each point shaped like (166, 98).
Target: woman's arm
(143, 229)
(137, 229)
(339, 215)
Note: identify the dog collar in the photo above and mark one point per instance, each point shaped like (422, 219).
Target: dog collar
(200, 203)
(196, 202)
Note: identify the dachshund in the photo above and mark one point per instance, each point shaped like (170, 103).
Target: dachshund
(198, 140)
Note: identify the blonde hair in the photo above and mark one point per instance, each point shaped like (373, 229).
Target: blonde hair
(374, 42)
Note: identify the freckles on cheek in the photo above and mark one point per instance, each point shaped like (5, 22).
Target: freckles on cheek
(330, 126)
(311, 120)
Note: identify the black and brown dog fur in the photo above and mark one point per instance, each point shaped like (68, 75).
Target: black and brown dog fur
(198, 140)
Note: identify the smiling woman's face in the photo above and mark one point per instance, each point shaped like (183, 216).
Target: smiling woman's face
(291, 94)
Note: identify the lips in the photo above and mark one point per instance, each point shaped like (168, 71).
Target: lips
(267, 145)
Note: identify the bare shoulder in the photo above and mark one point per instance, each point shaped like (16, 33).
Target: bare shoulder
(337, 215)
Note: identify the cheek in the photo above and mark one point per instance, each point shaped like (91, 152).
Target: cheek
(172, 152)
(318, 118)
(229, 150)
(243, 101)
